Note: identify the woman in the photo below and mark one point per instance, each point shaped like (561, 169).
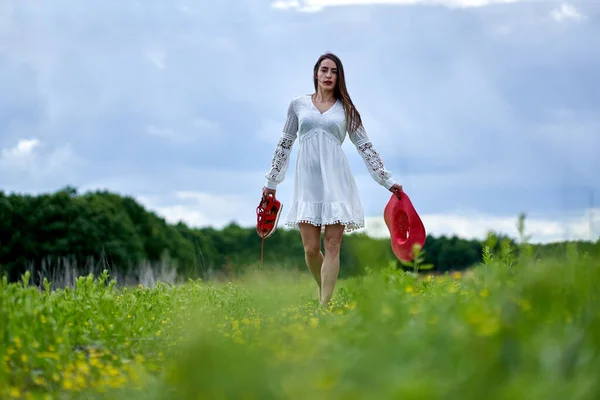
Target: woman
(325, 195)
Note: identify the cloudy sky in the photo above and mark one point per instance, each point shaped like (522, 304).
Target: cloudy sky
(480, 108)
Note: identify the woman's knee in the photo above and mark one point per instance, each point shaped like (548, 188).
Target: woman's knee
(312, 250)
(332, 243)
(311, 239)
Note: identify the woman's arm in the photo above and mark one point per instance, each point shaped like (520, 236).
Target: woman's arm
(371, 158)
(281, 156)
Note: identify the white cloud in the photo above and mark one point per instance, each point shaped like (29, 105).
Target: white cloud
(476, 226)
(286, 4)
(317, 5)
(27, 157)
(566, 12)
(21, 156)
(199, 209)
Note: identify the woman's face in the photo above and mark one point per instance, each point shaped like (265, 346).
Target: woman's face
(327, 75)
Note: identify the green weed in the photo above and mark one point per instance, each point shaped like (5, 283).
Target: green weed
(510, 328)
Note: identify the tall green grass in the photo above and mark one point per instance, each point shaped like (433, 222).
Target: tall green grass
(507, 329)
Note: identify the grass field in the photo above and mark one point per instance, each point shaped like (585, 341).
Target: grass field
(525, 331)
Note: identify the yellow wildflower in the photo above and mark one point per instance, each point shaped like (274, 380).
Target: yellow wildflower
(80, 379)
(67, 384)
(82, 367)
(525, 305)
(235, 325)
(39, 380)
(14, 393)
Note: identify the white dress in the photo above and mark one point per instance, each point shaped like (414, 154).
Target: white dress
(324, 190)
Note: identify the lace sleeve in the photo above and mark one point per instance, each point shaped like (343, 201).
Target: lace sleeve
(372, 160)
(281, 156)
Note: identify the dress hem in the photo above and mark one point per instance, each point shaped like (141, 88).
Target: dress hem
(349, 226)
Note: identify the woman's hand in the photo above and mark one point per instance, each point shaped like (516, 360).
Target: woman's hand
(267, 192)
(396, 189)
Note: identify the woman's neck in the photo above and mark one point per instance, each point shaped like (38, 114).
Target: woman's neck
(324, 96)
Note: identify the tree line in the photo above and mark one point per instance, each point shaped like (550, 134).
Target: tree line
(103, 230)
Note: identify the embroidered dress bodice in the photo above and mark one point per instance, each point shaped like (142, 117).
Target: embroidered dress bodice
(324, 189)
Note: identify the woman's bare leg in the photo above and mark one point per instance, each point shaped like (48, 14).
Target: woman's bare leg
(311, 240)
(331, 262)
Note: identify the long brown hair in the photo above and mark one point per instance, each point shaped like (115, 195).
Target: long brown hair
(353, 120)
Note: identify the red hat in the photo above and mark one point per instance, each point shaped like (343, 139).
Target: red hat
(405, 226)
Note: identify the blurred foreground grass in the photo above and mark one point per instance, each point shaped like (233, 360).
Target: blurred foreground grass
(525, 331)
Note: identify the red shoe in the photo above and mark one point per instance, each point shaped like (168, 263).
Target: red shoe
(267, 216)
(405, 226)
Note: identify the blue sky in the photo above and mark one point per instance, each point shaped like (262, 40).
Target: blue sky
(481, 109)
